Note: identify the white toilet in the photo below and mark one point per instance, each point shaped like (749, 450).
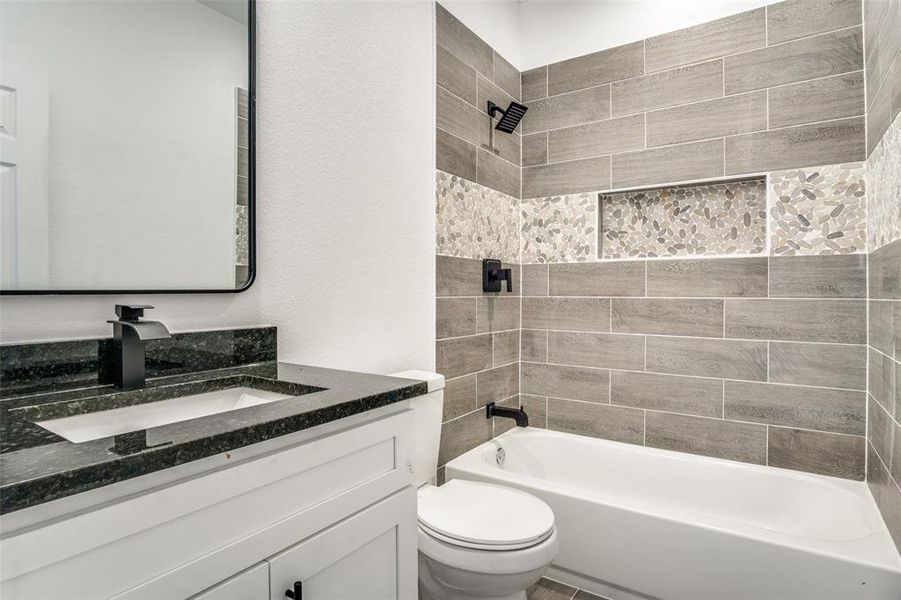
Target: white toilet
(476, 540)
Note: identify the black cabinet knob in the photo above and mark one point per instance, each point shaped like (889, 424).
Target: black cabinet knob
(297, 592)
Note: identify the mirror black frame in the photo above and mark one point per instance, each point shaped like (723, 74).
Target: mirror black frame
(251, 192)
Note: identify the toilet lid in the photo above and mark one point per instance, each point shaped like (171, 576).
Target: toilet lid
(484, 515)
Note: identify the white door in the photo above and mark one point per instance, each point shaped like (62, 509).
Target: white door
(369, 556)
(252, 584)
(24, 184)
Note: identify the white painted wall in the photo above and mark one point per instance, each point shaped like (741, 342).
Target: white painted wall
(142, 138)
(549, 31)
(346, 192)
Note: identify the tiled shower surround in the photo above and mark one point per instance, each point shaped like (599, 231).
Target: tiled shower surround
(693, 238)
(883, 67)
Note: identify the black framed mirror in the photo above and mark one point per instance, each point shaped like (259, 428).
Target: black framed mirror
(127, 146)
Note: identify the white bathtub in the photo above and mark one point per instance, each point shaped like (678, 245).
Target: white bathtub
(636, 522)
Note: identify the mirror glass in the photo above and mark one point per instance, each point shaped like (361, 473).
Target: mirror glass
(125, 146)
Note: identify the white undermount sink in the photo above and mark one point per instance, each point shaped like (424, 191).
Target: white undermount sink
(108, 423)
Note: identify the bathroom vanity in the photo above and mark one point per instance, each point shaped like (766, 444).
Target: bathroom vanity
(278, 498)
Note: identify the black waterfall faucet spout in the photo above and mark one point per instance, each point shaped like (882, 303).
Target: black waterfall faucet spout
(517, 414)
(129, 335)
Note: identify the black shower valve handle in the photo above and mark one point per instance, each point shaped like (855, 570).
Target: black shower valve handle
(506, 275)
(493, 274)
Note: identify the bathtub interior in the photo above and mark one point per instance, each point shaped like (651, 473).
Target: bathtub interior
(818, 513)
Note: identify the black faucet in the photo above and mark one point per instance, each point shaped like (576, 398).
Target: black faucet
(517, 414)
(129, 335)
(493, 274)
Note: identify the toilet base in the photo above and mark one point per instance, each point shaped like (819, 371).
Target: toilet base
(429, 589)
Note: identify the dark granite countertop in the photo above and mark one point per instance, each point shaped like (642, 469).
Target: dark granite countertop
(37, 466)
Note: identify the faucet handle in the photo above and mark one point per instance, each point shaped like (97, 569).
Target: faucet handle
(131, 312)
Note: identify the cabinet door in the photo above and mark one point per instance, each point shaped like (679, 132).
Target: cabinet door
(369, 556)
(252, 584)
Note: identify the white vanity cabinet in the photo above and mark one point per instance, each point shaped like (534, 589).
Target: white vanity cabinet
(252, 584)
(332, 507)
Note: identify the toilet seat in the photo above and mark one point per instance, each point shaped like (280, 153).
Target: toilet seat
(483, 516)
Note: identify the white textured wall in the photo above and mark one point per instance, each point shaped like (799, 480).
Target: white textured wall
(346, 192)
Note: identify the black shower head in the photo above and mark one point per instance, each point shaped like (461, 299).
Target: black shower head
(510, 118)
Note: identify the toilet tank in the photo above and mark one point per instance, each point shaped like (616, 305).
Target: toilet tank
(427, 412)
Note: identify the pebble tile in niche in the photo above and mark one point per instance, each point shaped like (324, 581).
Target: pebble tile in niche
(695, 220)
(818, 210)
(475, 221)
(884, 191)
(559, 229)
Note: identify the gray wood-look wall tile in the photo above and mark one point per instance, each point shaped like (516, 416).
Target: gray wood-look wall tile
(489, 91)
(686, 395)
(536, 408)
(703, 357)
(500, 313)
(881, 379)
(497, 173)
(745, 442)
(568, 314)
(507, 77)
(668, 317)
(886, 494)
(585, 175)
(896, 328)
(596, 420)
(827, 365)
(885, 49)
(808, 58)
(818, 100)
(462, 435)
(874, 13)
(565, 110)
(729, 35)
(823, 409)
(838, 276)
(742, 113)
(621, 278)
(455, 156)
(497, 384)
(455, 276)
(534, 345)
(668, 88)
(459, 397)
(466, 45)
(455, 75)
(885, 272)
(602, 350)
(534, 149)
(712, 277)
(534, 84)
(670, 164)
(506, 347)
(807, 145)
(879, 428)
(461, 356)
(535, 280)
(595, 139)
(462, 119)
(575, 383)
(879, 117)
(601, 67)
(456, 317)
(800, 18)
(817, 452)
(838, 321)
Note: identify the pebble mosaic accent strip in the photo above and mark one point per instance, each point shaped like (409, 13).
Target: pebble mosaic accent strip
(559, 229)
(884, 180)
(475, 221)
(698, 220)
(242, 242)
(818, 210)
